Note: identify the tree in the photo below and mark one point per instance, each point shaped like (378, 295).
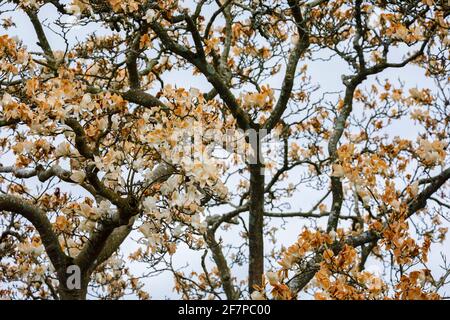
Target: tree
(103, 144)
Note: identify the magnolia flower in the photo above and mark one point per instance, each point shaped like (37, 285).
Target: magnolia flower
(178, 230)
(40, 270)
(414, 189)
(171, 184)
(287, 262)
(87, 225)
(164, 60)
(72, 20)
(138, 164)
(431, 153)
(373, 20)
(332, 235)
(198, 224)
(115, 120)
(396, 205)
(30, 3)
(88, 212)
(338, 171)
(74, 251)
(322, 296)
(365, 198)
(401, 32)
(221, 190)
(374, 284)
(162, 214)
(151, 235)
(419, 114)
(74, 9)
(115, 262)
(6, 99)
(61, 223)
(422, 279)
(150, 15)
(98, 162)
(86, 101)
(205, 172)
(178, 199)
(146, 229)
(31, 248)
(294, 39)
(193, 195)
(273, 278)
(23, 147)
(194, 92)
(59, 55)
(149, 204)
(416, 93)
(104, 207)
(62, 150)
(256, 295)
(100, 278)
(102, 124)
(78, 176)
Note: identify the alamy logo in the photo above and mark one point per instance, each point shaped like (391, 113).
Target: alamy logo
(73, 281)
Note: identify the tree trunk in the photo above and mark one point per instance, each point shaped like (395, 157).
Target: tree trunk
(67, 293)
(75, 294)
(255, 236)
(222, 266)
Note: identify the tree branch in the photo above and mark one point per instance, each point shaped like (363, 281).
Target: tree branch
(288, 81)
(39, 220)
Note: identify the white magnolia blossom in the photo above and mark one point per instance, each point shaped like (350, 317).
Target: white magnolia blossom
(30, 248)
(86, 102)
(178, 230)
(149, 204)
(146, 229)
(272, 277)
(87, 225)
(115, 122)
(104, 207)
(198, 224)
(414, 188)
(116, 262)
(163, 214)
(338, 171)
(63, 149)
(171, 183)
(6, 100)
(256, 295)
(74, 9)
(150, 15)
(88, 212)
(78, 176)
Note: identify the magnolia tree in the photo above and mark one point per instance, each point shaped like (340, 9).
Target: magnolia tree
(110, 160)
